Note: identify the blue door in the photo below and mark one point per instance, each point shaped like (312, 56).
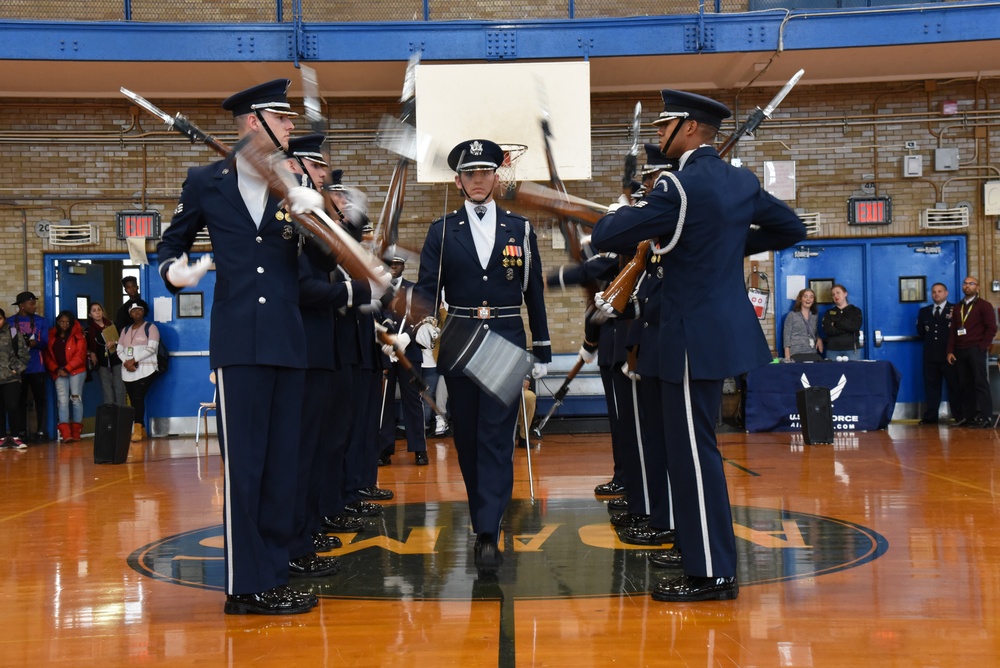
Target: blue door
(173, 399)
(889, 279)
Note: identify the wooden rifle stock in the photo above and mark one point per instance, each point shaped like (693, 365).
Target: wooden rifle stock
(620, 290)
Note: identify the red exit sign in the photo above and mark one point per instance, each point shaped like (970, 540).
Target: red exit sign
(869, 211)
(138, 224)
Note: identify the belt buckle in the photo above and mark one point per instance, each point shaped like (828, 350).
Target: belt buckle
(483, 312)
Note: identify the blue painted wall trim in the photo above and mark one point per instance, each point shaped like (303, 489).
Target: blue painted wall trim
(466, 40)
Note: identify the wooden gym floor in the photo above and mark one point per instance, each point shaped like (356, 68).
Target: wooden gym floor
(878, 550)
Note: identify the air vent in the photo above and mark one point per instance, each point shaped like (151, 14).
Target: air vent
(944, 219)
(812, 221)
(73, 235)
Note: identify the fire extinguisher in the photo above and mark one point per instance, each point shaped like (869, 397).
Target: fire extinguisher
(759, 292)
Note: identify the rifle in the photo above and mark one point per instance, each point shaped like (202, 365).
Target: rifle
(315, 225)
(414, 377)
(591, 328)
(619, 291)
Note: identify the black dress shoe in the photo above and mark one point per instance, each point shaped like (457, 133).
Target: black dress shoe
(609, 489)
(487, 555)
(629, 520)
(277, 601)
(647, 535)
(324, 543)
(618, 504)
(342, 524)
(926, 421)
(308, 599)
(375, 493)
(959, 422)
(665, 558)
(420, 458)
(982, 423)
(312, 566)
(691, 588)
(384, 460)
(363, 509)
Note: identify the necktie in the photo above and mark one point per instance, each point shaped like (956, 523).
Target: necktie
(937, 311)
(480, 210)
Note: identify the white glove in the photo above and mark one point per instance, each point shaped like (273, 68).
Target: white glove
(426, 335)
(184, 275)
(402, 340)
(389, 352)
(632, 375)
(604, 307)
(587, 356)
(304, 200)
(539, 370)
(615, 206)
(380, 283)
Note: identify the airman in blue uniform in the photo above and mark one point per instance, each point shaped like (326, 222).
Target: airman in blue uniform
(701, 217)
(257, 348)
(486, 263)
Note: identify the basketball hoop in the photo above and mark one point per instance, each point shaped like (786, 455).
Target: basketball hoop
(506, 171)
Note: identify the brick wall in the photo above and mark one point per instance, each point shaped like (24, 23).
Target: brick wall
(72, 159)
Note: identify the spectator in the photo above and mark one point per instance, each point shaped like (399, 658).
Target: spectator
(66, 360)
(841, 325)
(14, 356)
(799, 331)
(35, 329)
(933, 330)
(101, 348)
(972, 330)
(137, 350)
(122, 319)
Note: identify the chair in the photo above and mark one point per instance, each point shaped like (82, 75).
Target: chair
(203, 408)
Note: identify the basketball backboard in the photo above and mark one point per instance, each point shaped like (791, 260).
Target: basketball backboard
(503, 102)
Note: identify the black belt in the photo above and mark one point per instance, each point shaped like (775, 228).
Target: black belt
(484, 312)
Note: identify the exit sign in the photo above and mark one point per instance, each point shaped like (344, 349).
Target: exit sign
(869, 211)
(138, 224)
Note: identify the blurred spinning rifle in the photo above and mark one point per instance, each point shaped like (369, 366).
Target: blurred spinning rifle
(316, 225)
(591, 327)
(619, 291)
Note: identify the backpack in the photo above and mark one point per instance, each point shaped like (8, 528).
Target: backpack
(162, 354)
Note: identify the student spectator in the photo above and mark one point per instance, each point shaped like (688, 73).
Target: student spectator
(137, 350)
(66, 360)
(35, 328)
(14, 355)
(103, 356)
(122, 319)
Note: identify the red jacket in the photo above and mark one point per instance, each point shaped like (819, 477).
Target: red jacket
(76, 351)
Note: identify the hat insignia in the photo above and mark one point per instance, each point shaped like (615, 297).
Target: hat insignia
(476, 148)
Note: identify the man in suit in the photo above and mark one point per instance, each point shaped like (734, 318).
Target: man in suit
(396, 314)
(486, 262)
(933, 329)
(258, 350)
(973, 326)
(701, 218)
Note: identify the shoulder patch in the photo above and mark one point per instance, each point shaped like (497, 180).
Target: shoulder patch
(179, 209)
(641, 203)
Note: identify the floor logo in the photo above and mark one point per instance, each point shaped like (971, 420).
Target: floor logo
(553, 549)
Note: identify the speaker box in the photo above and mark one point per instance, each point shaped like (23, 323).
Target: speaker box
(113, 433)
(815, 414)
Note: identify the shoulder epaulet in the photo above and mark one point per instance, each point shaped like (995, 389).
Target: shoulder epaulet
(514, 214)
(438, 220)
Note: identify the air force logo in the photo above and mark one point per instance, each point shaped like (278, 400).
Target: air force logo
(842, 421)
(834, 392)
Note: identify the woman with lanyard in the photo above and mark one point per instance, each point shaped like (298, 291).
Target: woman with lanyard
(137, 350)
(799, 331)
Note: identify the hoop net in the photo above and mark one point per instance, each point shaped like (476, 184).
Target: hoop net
(507, 170)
